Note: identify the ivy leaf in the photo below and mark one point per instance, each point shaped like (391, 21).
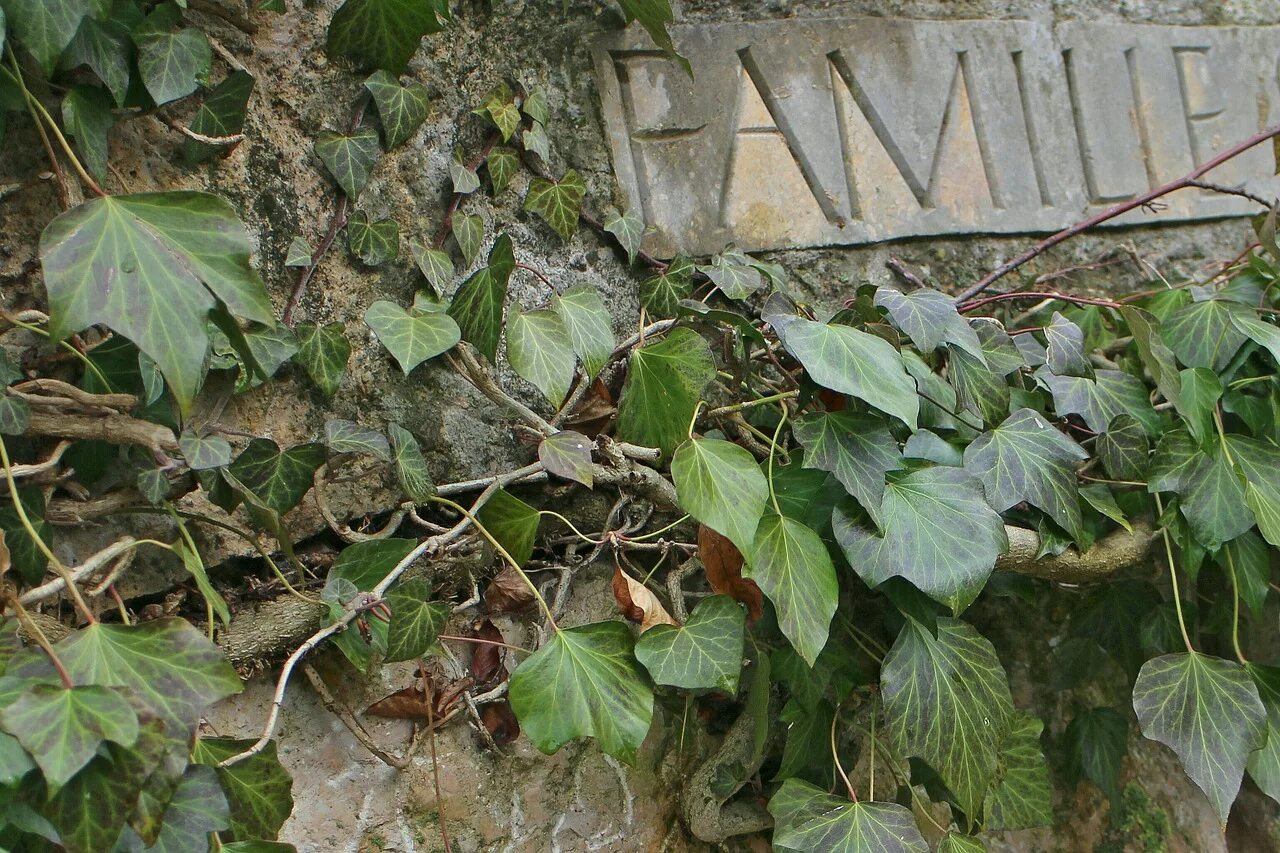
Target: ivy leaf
(1023, 798)
(90, 810)
(930, 319)
(415, 621)
(365, 564)
(628, 228)
(734, 273)
(512, 522)
(1204, 334)
(857, 449)
(1027, 459)
(568, 455)
(173, 65)
(939, 533)
(790, 564)
(665, 380)
(1249, 559)
(435, 264)
(15, 415)
(1259, 461)
(468, 230)
(197, 808)
(192, 562)
(503, 163)
(954, 842)
(852, 362)
(277, 478)
(584, 682)
(1124, 450)
(559, 202)
(411, 338)
(170, 258)
(1065, 351)
(168, 666)
(720, 485)
(323, 352)
(384, 33)
(87, 116)
(808, 818)
(1099, 400)
(539, 350)
(500, 108)
(661, 294)
(374, 243)
(411, 466)
(535, 106)
(61, 727)
(463, 177)
(259, 790)
(1213, 497)
(45, 27)
(1154, 352)
(946, 702)
(477, 306)
(535, 140)
(1200, 392)
(1096, 743)
(299, 253)
(706, 653)
(1262, 333)
(1206, 710)
(25, 557)
(654, 16)
(222, 114)
(402, 109)
(1100, 498)
(349, 437)
(978, 389)
(153, 485)
(103, 46)
(586, 319)
(349, 157)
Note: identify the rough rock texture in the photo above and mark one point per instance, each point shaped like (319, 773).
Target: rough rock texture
(521, 800)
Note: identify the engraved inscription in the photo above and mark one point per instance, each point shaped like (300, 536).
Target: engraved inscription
(849, 131)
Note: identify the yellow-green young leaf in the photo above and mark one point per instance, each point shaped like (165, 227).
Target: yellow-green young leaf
(221, 115)
(87, 116)
(172, 65)
(939, 533)
(857, 449)
(402, 109)
(558, 202)
(411, 338)
(415, 621)
(586, 319)
(384, 33)
(411, 466)
(277, 478)
(930, 319)
(500, 108)
(349, 157)
(791, 565)
(323, 352)
(568, 454)
(539, 350)
(1207, 710)
(584, 682)
(192, 562)
(169, 258)
(1023, 799)
(204, 452)
(705, 653)
(954, 842)
(477, 306)
(947, 702)
(512, 522)
(259, 790)
(665, 380)
(61, 727)
(434, 264)
(373, 242)
(468, 230)
(503, 163)
(628, 228)
(720, 485)
(807, 818)
(198, 807)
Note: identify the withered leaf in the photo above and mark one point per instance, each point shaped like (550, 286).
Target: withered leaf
(638, 604)
(500, 721)
(723, 564)
(486, 660)
(507, 592)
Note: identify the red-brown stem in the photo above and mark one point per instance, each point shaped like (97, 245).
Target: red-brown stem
(446, 224)
(1027, 294)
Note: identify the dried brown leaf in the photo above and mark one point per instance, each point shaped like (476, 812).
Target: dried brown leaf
(501, 722)
(507, 592)
(486, 660)
(407, 704)
(639, 604)
(594, 412)
(723, 564)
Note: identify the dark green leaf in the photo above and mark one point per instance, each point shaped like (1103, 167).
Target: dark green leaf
(402, 109)
(434, 264)
(705, 653)
(512, 522)
(1262, 333)
(1203, 334)
(857, 449)
(930, 319)
(173, 65)
(221, 115)
(61, 727)
(278, 478)
(790, 564)
(1096, 743)
(661, 294)
(584, 682)
(477, 306)
(204, 452)
(90, 810)
(259, 790)
(373, 242)
(1206, 710)
(1002, 354)
(947, 702)
(45, 27)
(415, 621)
(15, 415)
(586, 320)
(540, 352)
(1101, 499)
(1099, 400)
(198, 807)
(323, 352)
(503, 163)
(384, 33)
(654, 16)
(1200, 389)
(365, 564)
(979, 390)
(734, 273)
(87, 116)
(1023, 798)
(1124, 450)
(568, 455)
(939, 533)
(103, 46)
(468, 230)
(665, 381)
(194, 564)
(1260, 462)
(1213, 500)
(1154, 352)
(558, 203)
(720, 485)
(411, 466)
(1248, 559)
(1065, 353)
(349, 437)
(411, 338)
(954, 842)
(349, 157)
(628, 228)
(808, 819)
(26, 558)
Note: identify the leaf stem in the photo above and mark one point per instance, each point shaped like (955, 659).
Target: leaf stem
(584, 537)
(759, 401)
(35, 104)
(88, 362)
(482, 642)
(835, 756)
(661, 530)
(1173, 578)
(38, 636)
(773, 451)
(693, 420)
(1235, 607)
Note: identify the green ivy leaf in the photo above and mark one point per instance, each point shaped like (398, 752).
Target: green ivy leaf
(807, 818)
(61, 727)
(222, 114)
(45, 27)
(734, 273)
(503, 164)
(87, 116)
(978, 389)
(104, 47)
(349, 157)
(939, 533)
(26, 558)
(89, 812)
(857, 449)
(323, 352)
(558, 202)
(661, 294)
(946, 702)
(415, 621)
(500, 108)
(704, 654)
(584, 682)
(1259, 462)
(628, 228)
(1264, 764)
(654, 16)
(536, 141)
(259, 790)
(586, 320)
(930, 319)
(1124, 450)
(278, 479)
(568, 455)
(1154, 352)
(435, 264)
(402, 109)
(299, 253)
(468, 230)
(1101, 499)
(852, 362)
(1206, 710)
(173, 65)
(1099, 400)
(721, 486)
(1065, 351)
(540, 352)
(198, 807)
(664, 382)
(477, 306)
(343, 436)
(1097, 740)
(1200, 392)
(194, 564)
(535, 106)
(373, 242)
(512, 522)
(464, 178)
(153, 485)
(171, 258)
(954, 842)
(204, 452)
(365, 564)
(791, 565)
(1027, 459)
(411, 466)
(1262, 333)
(384, 33)
(15, 415)
(411, 338)
(1023, 798)
(1204, 334)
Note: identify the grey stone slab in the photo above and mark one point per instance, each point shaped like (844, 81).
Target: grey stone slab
(850, 131)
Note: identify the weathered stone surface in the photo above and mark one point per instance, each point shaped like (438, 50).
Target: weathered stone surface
(848, 131)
